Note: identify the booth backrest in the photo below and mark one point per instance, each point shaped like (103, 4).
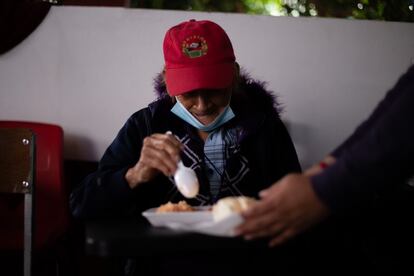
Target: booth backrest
(51, 213)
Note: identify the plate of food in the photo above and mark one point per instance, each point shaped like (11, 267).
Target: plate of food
(218, 220)
(180, 213)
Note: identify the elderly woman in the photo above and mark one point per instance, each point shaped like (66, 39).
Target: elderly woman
(224, 126)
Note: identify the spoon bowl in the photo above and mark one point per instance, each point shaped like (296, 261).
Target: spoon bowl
(186, 181)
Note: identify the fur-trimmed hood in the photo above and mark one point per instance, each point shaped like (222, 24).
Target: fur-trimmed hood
(251, 95)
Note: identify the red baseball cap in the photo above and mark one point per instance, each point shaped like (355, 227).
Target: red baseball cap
(198, 55)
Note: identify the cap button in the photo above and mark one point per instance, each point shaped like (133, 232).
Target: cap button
(192, 20)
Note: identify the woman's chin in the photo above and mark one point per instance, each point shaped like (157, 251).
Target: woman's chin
(205, 121)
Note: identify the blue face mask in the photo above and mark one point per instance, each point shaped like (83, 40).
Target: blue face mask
(182, 112)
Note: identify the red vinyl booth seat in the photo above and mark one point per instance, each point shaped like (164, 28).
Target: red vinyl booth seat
(51, 211)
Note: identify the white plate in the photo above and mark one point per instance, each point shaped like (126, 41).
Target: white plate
(187, 218)
(200, 221)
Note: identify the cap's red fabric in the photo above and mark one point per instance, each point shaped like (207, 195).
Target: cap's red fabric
(198, 55)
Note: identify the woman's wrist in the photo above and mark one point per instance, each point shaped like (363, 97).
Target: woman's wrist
(133, 178)
(327, 161)
(323, 165)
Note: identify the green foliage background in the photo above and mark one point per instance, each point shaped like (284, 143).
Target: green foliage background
(388, 10)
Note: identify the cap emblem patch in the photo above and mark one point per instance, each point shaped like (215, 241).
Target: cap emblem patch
(194, 46)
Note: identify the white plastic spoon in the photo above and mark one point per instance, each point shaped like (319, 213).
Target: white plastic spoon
(186, 180)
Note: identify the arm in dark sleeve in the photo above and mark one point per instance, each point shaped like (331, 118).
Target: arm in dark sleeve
(383, 156)
(106, 192)
(375, 116)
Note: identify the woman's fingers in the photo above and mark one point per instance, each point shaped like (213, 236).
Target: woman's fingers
(287, 208)
(158, 160)
(281, 237)
(166, 142)
(161, 152)
(258, 217)
(270, 229)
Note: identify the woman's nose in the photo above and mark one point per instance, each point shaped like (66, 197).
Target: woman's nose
(201, 102)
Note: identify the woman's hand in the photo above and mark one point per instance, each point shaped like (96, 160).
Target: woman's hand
(160, 153)
(286, 209)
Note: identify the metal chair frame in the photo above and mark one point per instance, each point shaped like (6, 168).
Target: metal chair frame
(17, 170)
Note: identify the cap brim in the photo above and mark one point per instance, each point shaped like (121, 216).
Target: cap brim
(182, 80)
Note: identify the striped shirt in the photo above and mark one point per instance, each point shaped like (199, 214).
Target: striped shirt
(216, 148)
